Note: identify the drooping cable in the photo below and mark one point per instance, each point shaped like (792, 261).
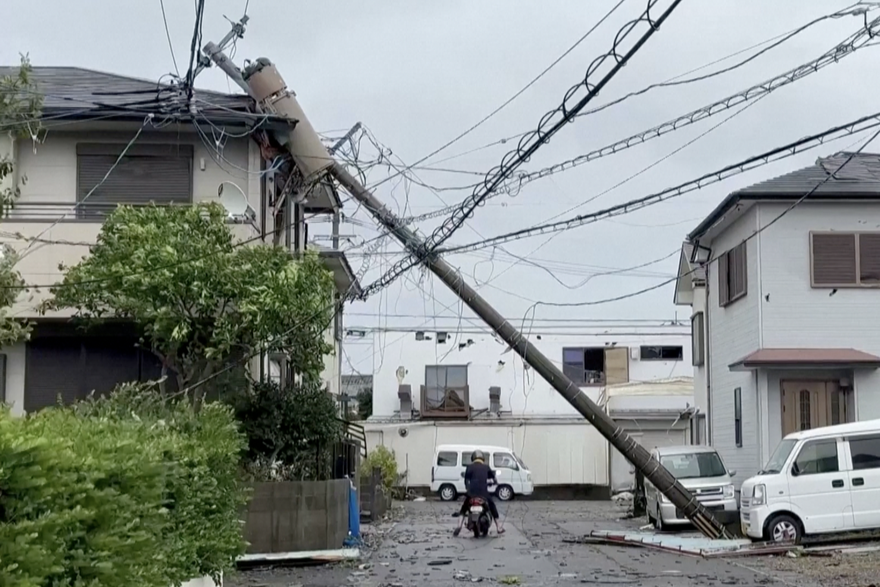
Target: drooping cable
(859, 40)
(550, 124)
(857, 126)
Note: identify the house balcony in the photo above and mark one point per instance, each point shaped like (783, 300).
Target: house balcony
(448, 402)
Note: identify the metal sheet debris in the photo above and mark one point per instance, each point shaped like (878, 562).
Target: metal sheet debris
(691, 545)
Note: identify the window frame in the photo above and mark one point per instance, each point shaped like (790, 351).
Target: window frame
(117, 154)
(794, 460)
(856, 234)
(727, 272)
(448, 452)
(698, 339)
(737, 417)
(581, 381)
(642, 348)
(462, 391)
(496, 466)
(850, 439)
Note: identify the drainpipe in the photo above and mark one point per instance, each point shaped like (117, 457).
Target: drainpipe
(708, 364)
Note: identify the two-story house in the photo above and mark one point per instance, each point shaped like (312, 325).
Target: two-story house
(433, 387)
(174, 152)
(786, 327)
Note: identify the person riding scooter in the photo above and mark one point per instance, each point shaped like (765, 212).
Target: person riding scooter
(476, 482)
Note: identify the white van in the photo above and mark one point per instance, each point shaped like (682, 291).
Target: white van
(450, 461)
(701, 471)
(820, 481)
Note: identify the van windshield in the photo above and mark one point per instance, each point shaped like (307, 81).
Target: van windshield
(694, 465)
(522, 465)
(780, 455)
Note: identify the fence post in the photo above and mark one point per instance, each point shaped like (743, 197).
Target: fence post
(378, 492)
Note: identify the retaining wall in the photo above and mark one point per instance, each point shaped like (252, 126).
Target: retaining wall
(294, 516)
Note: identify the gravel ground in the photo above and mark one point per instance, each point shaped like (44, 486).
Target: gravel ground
(417, 549)
(832, 570)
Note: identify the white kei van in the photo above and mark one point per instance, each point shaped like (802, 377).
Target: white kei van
(819, 481)
(450, 461)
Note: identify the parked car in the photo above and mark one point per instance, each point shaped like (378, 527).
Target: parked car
(451, 460)
(700, 470)
(819, 481)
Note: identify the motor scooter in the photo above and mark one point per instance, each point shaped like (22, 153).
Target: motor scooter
(479, 518)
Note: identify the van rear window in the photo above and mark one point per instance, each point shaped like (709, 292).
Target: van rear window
(447, 459)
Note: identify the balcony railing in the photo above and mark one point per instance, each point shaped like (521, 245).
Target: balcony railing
(65, 211)
(85, 212)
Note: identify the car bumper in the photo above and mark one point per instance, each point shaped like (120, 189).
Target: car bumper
(725, 511)
(752, 521)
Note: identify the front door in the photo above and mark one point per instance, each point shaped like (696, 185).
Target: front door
(811, 404)
(819, 487)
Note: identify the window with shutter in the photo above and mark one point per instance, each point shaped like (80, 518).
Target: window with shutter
(869, 258)
(845, 259)
(834, 259)
(162, 174)
(732, 275)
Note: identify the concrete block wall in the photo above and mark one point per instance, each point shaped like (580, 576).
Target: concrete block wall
(295, 516)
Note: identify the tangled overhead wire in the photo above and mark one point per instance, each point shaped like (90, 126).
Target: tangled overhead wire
(864, 37)
(573, 102)
(855, 127)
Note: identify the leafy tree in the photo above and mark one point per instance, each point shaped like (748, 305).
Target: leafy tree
(291, 430)
(20, 107)
(365, 403)
(202, 301)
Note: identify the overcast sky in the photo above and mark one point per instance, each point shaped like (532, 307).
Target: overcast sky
(417, 74)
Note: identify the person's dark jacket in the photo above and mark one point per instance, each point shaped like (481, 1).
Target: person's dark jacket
(476, 479)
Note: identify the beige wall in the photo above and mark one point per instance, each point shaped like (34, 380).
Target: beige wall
(50, 169)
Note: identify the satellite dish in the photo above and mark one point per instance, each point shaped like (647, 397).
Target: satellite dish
(235, 201)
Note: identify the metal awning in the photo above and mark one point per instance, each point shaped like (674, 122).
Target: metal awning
(811, 358)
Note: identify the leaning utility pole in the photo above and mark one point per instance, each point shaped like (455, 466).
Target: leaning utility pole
(272, 94)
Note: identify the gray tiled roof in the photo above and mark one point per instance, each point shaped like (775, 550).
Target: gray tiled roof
(78, 89)
(860, 176)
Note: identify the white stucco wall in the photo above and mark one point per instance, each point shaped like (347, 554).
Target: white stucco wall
(521, 393)
(559, 452)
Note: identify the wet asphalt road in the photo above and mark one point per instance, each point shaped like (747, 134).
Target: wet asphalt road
(418, 550)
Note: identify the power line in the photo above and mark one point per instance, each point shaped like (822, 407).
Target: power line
(870, 6)
(168, 36)
(858, 126)
(714, 259)
(549, 125)
(526, 87)
(857, 10)
(863, 38)
(121, 156)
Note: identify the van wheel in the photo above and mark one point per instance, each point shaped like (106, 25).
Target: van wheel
(448, 493)
(784, 528)
(504, 493)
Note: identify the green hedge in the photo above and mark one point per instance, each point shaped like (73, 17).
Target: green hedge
(121, 491)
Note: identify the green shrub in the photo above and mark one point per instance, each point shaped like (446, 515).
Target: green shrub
(81, 502)
(384, 459)
(122, 491)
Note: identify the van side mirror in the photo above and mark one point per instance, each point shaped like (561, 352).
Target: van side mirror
(462, 475)
(795, 470)
(732, 472)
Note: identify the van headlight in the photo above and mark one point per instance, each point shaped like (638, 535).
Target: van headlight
(759, 495)
(729, 492)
